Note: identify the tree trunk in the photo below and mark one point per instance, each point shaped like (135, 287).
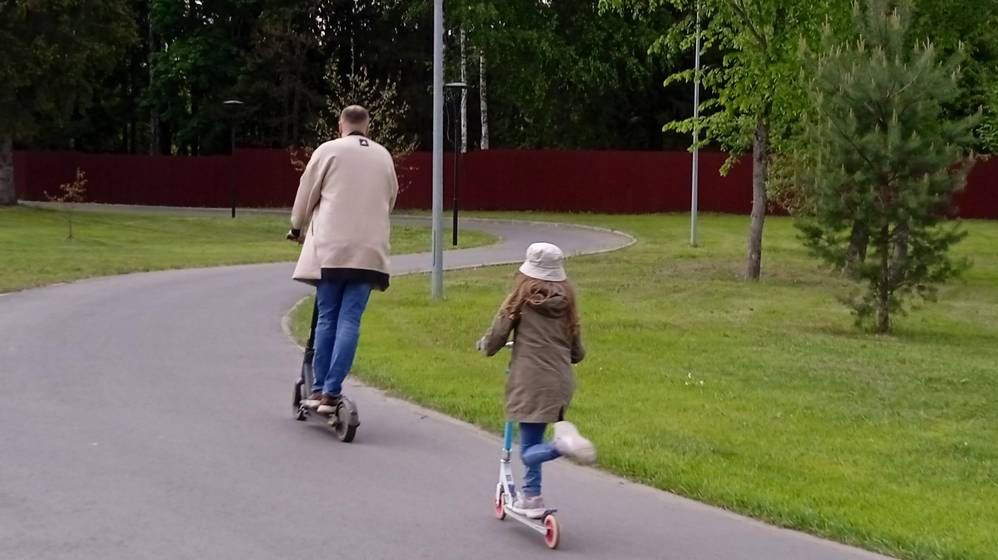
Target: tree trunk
(760, 171)
(287, 116)
(883, 289)
(899, 260)
(483, 101)
(154, 139)
(859, 239)
(464, 96)
(165, 138)
(133, 68)
(8, 195)
(295, 112)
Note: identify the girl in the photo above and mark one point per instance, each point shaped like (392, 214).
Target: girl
(542, 315)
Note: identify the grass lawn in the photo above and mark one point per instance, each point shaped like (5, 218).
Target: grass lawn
(34, 250)
(761, 398)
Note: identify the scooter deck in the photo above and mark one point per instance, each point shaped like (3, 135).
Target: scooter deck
(311, 413)
(326, 418)
(314, 410)
(535, 524)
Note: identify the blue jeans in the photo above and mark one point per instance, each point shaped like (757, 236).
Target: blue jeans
(337, 330)
(534, 451)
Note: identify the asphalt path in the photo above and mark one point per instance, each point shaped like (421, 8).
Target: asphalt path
(148, 416)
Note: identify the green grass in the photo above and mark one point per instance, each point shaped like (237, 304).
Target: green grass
(761, 398)
(34, 250)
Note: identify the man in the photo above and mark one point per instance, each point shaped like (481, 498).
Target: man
(341, 216)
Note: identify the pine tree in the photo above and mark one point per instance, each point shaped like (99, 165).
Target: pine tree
(881, 161)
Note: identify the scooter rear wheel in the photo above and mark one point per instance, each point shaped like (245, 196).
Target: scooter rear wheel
(345, 425)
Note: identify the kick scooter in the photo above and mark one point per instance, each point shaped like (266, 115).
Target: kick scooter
(547, 524)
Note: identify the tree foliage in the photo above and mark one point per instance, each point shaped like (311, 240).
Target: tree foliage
(564, 73)
(568, 76)
(880, 159)
(751, 76)
(55, 53)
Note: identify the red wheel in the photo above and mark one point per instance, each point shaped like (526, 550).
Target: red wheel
(500, 504)
(552, 534)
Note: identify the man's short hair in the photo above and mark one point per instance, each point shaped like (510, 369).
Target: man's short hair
(355, 116)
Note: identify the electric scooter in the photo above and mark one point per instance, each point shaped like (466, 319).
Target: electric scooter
(344, 418)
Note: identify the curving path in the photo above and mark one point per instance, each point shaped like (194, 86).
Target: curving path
(148, 416)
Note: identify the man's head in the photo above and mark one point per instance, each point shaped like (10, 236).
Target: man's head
(354, 119)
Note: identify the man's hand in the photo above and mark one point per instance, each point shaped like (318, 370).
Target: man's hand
(295, 235)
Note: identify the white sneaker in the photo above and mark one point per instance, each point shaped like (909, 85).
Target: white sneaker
(570, 443)
(532, 507)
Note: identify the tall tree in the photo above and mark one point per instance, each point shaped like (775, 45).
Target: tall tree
(756, 93)
(967, 26)
(204, 47)
(55, 53)
(970, 26)
(392, 41)
(282, 77)
(116, 120)
(483, 102)
(561, 74)
(878, 148)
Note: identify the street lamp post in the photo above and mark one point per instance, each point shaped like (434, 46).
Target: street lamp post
(459, 86)
(437, 277)
(233, 108)
(695, 186)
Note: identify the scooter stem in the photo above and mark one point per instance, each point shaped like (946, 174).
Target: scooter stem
(508, 445)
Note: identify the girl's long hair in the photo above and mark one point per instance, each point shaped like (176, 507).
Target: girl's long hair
(532, 291)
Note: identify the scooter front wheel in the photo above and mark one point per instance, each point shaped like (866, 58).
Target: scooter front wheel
(296, 402)
(500, 504)
(552, 532)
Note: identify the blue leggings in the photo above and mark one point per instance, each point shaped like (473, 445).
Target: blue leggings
(534, 451)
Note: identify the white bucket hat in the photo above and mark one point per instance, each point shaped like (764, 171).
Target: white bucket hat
(544, 262)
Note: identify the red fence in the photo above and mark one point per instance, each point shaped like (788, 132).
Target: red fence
(597, 181)
(618, 182)
(980, 198)
(263, 177)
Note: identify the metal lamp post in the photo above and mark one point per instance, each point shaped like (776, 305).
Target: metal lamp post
(233, 108)
(695, 186)
(455, 86)
(437, 277)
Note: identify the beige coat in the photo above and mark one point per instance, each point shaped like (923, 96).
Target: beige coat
(541, 382)
(343, 208)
